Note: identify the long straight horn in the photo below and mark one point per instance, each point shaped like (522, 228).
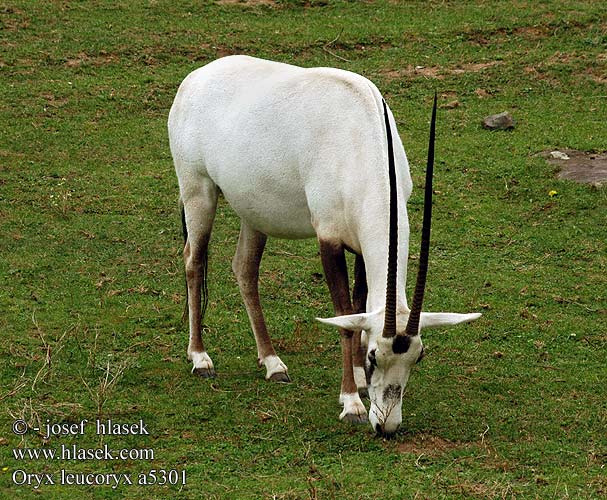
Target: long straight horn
(420, 284)
(390, 315)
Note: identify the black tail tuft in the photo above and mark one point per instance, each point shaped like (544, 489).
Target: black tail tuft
(204, 270)
(184, 230)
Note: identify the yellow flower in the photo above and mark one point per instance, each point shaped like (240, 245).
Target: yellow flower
(552, 193)
(4, 469)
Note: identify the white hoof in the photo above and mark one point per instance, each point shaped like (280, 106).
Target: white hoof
(202, 364)
(354, 410)
(275, 369)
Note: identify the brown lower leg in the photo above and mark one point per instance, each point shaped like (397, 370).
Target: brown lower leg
(359, 303)
(336, 273)
(246, 263)
(194, 284)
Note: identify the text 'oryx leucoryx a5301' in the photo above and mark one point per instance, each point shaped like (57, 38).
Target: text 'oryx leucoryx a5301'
(304, 153)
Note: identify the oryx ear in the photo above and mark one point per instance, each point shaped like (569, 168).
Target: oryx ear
(361, 321)
(430, 320)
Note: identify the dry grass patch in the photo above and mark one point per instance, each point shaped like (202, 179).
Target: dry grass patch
(433, 446)
(83, 59)
(438, 72)
(471, 489)
(247, 3)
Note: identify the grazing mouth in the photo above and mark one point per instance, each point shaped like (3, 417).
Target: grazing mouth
(379, 432)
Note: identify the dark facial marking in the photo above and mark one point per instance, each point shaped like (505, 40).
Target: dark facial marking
(372, 359)
(421, 356)
(392, 392)
(401, 344)
(371, 366)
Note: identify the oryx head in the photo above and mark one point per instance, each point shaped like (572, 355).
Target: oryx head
(393, 335)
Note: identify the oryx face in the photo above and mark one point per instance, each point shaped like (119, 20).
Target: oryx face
(393, 353)
(390, 359)
(393, 332)
(389, 364)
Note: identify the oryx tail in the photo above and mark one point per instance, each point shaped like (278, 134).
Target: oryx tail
(205, 264)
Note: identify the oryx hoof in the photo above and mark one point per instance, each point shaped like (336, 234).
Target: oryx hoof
(276, 370)
(204, 372)
(281, 377)
(354, 411)
(202, 364)
(355, 418)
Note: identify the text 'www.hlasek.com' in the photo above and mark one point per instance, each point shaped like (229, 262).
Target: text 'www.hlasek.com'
(35, 465)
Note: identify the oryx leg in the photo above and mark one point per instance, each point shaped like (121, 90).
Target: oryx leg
(199, 205)
(246, 262)
(336, 273)
(359, 303)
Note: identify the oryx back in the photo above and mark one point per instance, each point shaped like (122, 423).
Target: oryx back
(293, 150)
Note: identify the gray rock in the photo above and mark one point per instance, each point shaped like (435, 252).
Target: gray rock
(501, 121)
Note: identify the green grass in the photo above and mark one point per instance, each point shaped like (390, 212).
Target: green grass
(511, 406)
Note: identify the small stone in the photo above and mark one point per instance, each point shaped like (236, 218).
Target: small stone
(559, 155)
(451, 105)
(501, 121)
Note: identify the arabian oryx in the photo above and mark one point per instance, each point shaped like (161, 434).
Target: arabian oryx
(302, 153)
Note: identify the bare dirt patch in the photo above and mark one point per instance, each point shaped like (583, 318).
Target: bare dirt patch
(499, 35)
(597, 75)
(425, 444)
(83, 59)
(548, 28)
(247, 3)
(14, 19)
(580, 65)
(579, 166)
(473, 67)
(471, 489)
(438, 72)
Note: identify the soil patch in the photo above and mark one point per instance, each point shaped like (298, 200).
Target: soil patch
(439, 72)
(487, 37)
(428, 445)
(579, 166)
(83, 59)
(248, 3)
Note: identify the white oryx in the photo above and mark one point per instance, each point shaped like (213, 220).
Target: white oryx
(302, 153)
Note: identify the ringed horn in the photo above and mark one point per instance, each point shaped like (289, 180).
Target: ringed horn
(412, 327)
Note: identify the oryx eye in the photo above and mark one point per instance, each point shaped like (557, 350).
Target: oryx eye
(372, 359)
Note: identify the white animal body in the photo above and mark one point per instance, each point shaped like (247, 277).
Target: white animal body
(301, 153)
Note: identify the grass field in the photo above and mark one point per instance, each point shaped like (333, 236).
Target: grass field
(511, 406)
